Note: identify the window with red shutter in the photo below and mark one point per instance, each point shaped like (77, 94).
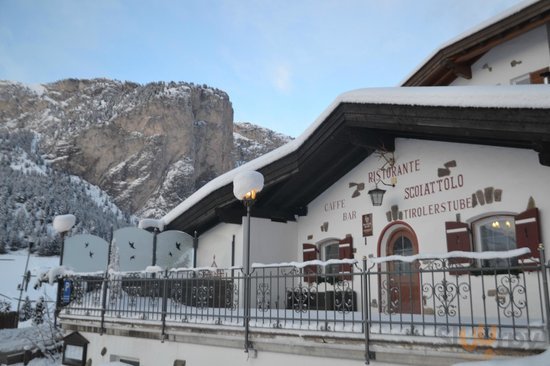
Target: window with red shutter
(458, 239)
(310, 253)
(494, 234)
(536, 77)
(345, 251)
(528, 232)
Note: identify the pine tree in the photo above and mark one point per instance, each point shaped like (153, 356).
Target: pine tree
(5, 306)
(26, 311)
(39, 311)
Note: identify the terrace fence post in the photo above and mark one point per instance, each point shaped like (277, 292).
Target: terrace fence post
(366, 321)
(164, 304)
(544, 268)
(105, 282)
(104, 286)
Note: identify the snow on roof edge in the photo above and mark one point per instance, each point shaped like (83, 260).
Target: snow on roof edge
(515, 96)
(479, 27)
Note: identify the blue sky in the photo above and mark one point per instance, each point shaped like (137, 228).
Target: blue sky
(282, 62)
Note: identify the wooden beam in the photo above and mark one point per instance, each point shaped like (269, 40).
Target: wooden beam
(469, 49)
(486, 45)
(462, 70)
(234, 215)
(370, 140)
(543, 148)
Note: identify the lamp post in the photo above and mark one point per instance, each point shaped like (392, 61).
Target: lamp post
(245, 187)
(62, 224)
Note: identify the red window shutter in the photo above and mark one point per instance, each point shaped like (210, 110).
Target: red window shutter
(528, 232)
(345, 251)
(536, 78)
(310, 252)
(458, 239)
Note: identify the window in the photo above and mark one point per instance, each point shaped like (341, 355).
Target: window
(498, 232)
(535, 77)
(401, 245)
(521, 80)
(331, 250)
(495, 234)
(325, 250)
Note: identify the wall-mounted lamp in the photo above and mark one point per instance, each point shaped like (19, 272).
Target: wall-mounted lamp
(377, 194)
(486, 67)
(514, 63)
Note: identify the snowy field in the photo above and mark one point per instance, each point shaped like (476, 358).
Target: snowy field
(12, 267)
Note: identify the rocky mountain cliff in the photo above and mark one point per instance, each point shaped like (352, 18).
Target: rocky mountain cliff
(148, 146)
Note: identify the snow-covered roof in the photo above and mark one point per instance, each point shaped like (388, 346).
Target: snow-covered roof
(489, 22)
(516, 96)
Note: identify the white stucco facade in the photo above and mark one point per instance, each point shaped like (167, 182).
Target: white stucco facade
(511, 61)
(425, 200)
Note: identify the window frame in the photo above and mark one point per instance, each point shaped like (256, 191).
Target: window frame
(323, 246)
(477, 241)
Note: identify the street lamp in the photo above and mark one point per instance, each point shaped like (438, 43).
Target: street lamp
(62, 224)
(245, 187)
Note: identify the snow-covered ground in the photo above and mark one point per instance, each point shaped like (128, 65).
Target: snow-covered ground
(12, 267)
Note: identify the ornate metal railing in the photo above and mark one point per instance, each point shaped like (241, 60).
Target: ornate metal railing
(436, 299)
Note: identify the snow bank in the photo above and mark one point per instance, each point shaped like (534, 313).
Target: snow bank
(153, 269)
(36, 337)
(457, 254)
(151, 223)
(53, 274)
(305, 264)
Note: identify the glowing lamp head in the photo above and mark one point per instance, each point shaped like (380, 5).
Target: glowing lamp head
(247, 184)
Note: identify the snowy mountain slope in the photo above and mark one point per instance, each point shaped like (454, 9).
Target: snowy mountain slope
(148, 146)
(32, 194)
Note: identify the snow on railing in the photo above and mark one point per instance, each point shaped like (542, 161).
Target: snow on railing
(51, 275)
(315, 262)
(456, 254)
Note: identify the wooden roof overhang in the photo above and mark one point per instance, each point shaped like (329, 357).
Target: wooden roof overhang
(455, 60)
(350, 134)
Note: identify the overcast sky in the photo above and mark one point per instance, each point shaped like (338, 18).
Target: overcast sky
(282, 62)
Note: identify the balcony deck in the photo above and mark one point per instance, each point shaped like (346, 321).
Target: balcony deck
(460, 313)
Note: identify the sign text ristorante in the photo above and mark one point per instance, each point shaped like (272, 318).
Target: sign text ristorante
(394, 171)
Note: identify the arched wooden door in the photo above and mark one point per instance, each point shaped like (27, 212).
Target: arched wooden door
(403, 277)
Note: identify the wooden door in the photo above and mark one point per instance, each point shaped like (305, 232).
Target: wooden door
(403, 277)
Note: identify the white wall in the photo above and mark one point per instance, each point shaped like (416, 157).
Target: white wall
(151, 352)
(516, 171)
(531, 48)
(272, 242)
(217, 242)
